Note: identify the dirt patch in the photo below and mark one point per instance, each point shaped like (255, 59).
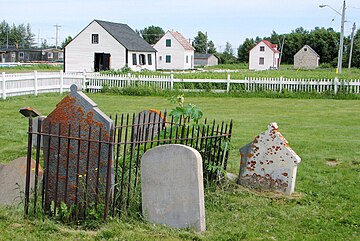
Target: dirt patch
(332, 162)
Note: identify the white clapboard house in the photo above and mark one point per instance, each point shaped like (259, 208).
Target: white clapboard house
(174, 52)
(106, 45)
(264, 55)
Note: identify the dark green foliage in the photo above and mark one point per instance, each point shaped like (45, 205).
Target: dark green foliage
(19, 35)
(152, 34)
(203, 45)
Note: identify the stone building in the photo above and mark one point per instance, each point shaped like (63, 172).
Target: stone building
(306, 58)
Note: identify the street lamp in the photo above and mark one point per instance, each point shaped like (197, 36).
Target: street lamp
(341, 48)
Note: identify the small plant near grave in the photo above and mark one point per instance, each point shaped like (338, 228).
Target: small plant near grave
(214, 150)
(189, 111)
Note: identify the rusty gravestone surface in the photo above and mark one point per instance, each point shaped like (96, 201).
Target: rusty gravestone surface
(76, 168)
(12, 180)
(268, 162)
(172, 187)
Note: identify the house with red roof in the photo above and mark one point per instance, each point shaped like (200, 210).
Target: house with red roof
(174, 52)
(263, 56)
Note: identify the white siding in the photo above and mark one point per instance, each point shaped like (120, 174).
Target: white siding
(271, 59)
(80, 53)
(138, 66)
(176, 51)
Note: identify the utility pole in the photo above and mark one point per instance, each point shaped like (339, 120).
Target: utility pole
(206, 43)
(351, 45)
(57, 28)
(341, 49)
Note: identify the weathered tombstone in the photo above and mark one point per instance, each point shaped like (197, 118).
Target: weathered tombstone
(172, 187)
(77, 152)
(12, 180)
(36, 119)
(147, 124)
(268, 162)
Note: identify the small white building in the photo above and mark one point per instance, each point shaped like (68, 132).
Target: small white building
(174, 52)
(105, 45)
(263, 56)
(205, 60)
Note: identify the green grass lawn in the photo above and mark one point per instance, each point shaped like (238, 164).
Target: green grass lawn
(326, 205)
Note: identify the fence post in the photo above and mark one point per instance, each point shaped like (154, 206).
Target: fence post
(83, 85)
(3, 86)
(61, 81)
(35, 83)
(228, 84)
(336, 85)
(281, 84)
(171, 81)
(128, 80)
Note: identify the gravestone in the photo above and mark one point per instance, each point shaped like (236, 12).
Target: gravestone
(172, 187)
(76, 162)
(268, 162)
(147, 124)
(12, 180)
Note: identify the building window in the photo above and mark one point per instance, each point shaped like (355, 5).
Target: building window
(168, 43)
(160, 58)
(187, 59)
(261, 61)
(95, 38)
(142, 59)
(149, 59)
(134, 59)
(262, 48)
(305, 49)
(168, 59)
(60, 55)
(21, 55)
(50, 55)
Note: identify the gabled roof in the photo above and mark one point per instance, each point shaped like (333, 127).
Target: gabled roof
(126, 36)
(309, 48)
(273, 47)
(183, 41)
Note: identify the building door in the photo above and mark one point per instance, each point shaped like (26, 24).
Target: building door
(101, 62)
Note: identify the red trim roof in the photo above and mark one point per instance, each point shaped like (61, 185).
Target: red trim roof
(183, 41)
(273, 47)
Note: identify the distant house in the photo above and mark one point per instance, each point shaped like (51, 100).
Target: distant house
(264, 55)
(174, 52)
(306, 58)
(33, 55)
(105, 45)
(205, 60)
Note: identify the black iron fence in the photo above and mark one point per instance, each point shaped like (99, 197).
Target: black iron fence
(86, 175)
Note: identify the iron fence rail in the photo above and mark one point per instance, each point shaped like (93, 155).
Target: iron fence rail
(115, 191)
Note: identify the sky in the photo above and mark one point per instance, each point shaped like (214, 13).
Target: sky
(224, 21)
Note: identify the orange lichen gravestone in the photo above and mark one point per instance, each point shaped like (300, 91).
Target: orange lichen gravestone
(269, 163)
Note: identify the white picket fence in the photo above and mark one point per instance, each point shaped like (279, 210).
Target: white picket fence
(44, 82)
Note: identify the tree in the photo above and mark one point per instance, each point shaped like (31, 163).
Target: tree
(356, 50)
(227, 57)
(202, 45)
(67, 40)
(244, 49)
(152, 34)
(20, 35)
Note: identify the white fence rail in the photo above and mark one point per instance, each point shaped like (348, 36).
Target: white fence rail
(41, 82)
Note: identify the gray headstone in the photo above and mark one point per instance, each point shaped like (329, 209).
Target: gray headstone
(147, 124)
(269, 163)
(77, 169)
(12, 180)
(172, 187)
